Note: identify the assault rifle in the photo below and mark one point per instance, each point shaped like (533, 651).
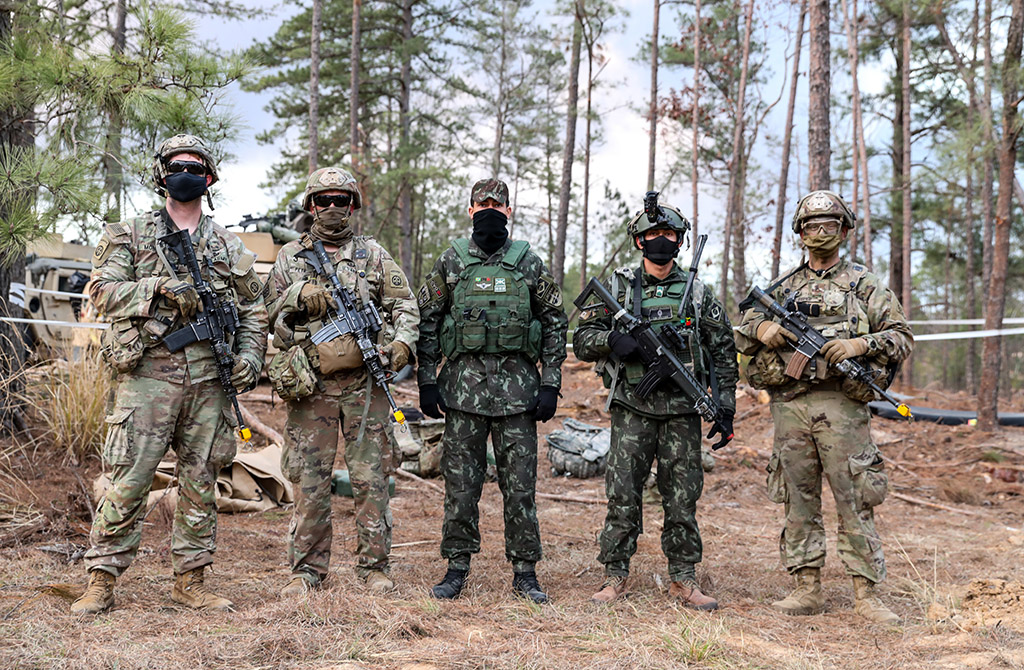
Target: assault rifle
(809, 343)
(213, 323)
(345, 317)
(657, 350)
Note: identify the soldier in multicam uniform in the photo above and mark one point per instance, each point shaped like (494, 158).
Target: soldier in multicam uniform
(327, 385)
(163, 398)
(664, 425)
(492, 309)
(821, 419)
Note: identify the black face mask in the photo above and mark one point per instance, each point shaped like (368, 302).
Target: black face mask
(489, 231)
(185, 187)
(661, 250)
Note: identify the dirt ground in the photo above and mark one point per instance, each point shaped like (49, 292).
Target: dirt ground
(955, 574)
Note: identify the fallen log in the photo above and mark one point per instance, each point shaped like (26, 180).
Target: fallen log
(925, 503)
(260, 427)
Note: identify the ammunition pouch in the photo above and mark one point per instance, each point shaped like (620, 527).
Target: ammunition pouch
(122, 346)
(870, 482)
(775, 482)
(291, 374)
(340, 354)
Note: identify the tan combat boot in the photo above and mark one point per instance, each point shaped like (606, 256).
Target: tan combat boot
(296, 587)
(190, 590)
(612, 589)
(806, 598)
(99, 594)
(378, 582)
(868, 605)
(691, 596)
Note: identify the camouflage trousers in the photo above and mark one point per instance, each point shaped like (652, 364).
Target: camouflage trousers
(311, 445)
(824, 432)
(149, 415)
(636, 441)
(463, 466)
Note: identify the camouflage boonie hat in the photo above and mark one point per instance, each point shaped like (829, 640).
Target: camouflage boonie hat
(182, 143)
(494, 189)
(823, 206)
(331, 179)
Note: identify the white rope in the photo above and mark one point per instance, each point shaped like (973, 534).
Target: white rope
(62, 324)
(67, 294)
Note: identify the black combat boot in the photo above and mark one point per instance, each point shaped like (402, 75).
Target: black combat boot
(451, 586)
(525, 584)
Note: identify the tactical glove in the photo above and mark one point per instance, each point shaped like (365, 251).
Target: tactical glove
(398, 355)
(772, 335)
(431, 401)
(722, 427)
(544, 405)
(623, 346)
(182, 295)
(837, 351)
(243, 375)
(315, 300)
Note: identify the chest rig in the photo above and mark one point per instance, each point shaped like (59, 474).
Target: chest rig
(490, 309)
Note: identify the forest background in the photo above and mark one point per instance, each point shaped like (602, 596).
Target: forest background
(908, 109)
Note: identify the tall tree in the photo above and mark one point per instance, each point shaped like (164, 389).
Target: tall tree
(653, 108)
(695, 119)
(907, 211)
(569, 152)
(988, 393)
(819, 88)
(780, 206)
(314, 86)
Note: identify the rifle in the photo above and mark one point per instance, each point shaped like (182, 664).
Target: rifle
(347, 318)
(809, 343)
(215, 321)
(655, 352)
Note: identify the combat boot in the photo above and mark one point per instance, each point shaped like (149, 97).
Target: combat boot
(692, 596)
(806, 598)
(451, 586)
(190, 590)
(296, 587)
(377, 582)
(868, 604)
(99, 593)
(614, 587)
(526, 585)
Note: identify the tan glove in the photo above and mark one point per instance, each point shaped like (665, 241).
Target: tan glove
(837, 351)
(398, 355)
(182, 295)
(772, 335)
(315, 299)
(243, 374)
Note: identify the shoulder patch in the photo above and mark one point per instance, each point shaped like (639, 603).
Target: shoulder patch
(395, 285)
(114, 235)
(548, 291)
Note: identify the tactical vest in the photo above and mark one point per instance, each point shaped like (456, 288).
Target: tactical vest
(490, 307)
(832, 307)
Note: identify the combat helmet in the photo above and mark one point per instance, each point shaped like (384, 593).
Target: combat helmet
(331, 179)
(823, 205)
(182, 143)
(655, 216)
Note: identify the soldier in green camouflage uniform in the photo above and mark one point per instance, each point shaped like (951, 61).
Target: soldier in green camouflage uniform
(821, 419)
(664, 425)
(163, 398)
(492, 309)
(327, 385)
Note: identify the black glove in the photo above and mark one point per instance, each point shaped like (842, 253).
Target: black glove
(722, 427)
(544, 405)
(623, 346)
(431, 401)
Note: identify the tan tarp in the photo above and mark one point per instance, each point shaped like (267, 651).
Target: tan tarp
(252, 483)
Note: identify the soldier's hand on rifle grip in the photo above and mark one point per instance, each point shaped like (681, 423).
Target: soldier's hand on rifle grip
(397, 354)
(722, 427)
(315, 299)
(773, 336)
(182, 295)
(243, 374)
(837, 351)
(623, 346)
(431, 401)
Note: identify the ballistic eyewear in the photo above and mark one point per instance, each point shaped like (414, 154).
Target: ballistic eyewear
(324, 200)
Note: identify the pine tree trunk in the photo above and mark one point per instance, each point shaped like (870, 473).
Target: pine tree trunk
(988, 393)
(586, 167)
(971, 371)
(314, 86)
(862, 149)
(564, 194)
(404, 135)
(787, 143)
(896, 154)
(819, 76)
(908, 365)
(113, 174)
(695, 121)
(653, 110)
(988, 157)
(353, 110)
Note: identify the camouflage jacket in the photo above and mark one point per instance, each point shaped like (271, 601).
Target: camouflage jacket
(493, 384)
(127, 268)
(364, 267)
(713, 337)
(843, 301)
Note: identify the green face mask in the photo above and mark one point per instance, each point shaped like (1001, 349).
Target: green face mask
(822, 245)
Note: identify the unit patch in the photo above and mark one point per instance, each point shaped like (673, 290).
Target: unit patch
(483, 284)
(499, 285)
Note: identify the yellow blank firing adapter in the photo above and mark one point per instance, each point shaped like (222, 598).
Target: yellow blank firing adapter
(904, 411)
(245, 434)
(400, 417)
